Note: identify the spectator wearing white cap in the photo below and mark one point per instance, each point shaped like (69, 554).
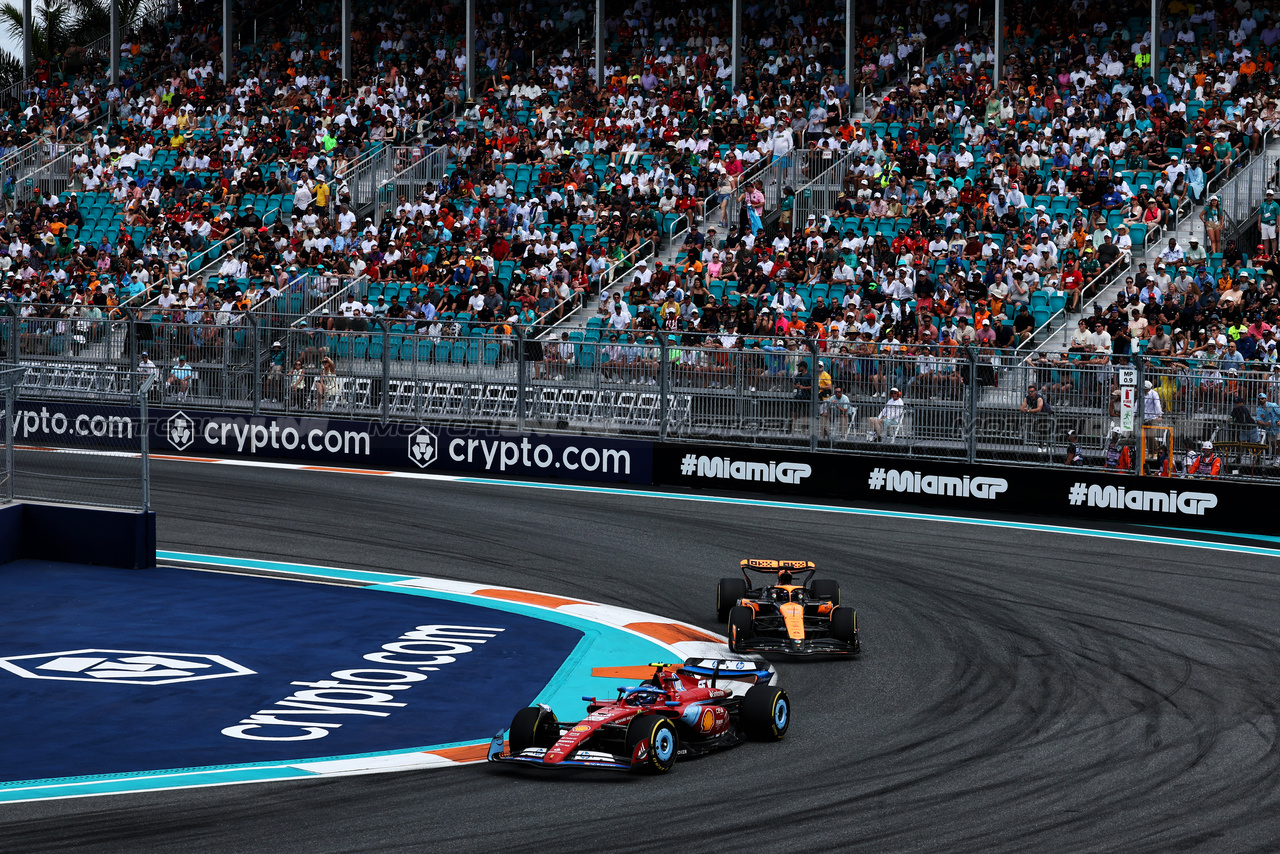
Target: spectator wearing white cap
(889, 419)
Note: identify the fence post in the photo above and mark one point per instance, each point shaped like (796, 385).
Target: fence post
(971, 405)
(386, 370)
(10, 405)
(144, 390)
(15, 341)
(255, 375)
(664, 384)
(522, 377)
(1140, 402)
(813, 393)
(228, 339)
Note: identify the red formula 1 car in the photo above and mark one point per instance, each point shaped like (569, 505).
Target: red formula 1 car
(795, 616)
(681, 710)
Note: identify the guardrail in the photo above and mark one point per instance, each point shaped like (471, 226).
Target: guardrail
(1219, 182)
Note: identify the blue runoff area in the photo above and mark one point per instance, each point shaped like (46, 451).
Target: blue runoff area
(107, 671)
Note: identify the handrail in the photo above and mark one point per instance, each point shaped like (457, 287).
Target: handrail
(1062, 312)
(352, 286)
(833, 174)
(233, 236)
(1227, 175)
(608, 277)
(746, 176)
(428, 168)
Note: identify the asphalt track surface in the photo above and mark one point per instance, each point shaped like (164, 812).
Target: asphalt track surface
(1017, 692)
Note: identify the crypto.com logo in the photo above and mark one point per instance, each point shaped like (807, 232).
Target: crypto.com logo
(181, 430)
(422, 447)
(122, 666)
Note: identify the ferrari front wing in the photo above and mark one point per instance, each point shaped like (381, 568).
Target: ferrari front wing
(533, 757)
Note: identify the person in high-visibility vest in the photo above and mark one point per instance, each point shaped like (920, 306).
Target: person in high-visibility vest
(1207, 464)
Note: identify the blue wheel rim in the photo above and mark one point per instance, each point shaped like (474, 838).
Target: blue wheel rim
(780, 713)
(664, 744)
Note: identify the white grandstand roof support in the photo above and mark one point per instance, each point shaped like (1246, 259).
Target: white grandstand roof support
(471, 48)
(600, 43)
(735, 32)
(115, 42)
(226, 42)
(346, 39)
(26, 38)
(1155, 41)
(998, 46)
(850, 49)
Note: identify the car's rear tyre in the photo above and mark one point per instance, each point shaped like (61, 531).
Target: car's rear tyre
(766, 713)
(533, 727)
(844, 625)
(728, 592)
(663, 740)
(826, 588)
(741, 628)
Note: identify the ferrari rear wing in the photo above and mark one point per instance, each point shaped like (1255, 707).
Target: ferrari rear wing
(737, 669)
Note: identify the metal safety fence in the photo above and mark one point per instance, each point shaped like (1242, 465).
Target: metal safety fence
(102, 456)
(966, 401)
(1241, 196)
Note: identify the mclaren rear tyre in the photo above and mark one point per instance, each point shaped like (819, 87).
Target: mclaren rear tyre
(844, 626)
(741, 626)
(826, 588)
(533, 727)
(663, 743)
(766, 713)
(728, 592)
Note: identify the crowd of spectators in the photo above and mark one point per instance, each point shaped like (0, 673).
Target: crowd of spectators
(972, 213)
(969, 213)
(552, 178)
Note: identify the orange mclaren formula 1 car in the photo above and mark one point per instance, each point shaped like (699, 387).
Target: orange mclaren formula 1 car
(788, 613)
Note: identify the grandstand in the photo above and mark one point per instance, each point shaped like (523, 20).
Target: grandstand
(452, 219)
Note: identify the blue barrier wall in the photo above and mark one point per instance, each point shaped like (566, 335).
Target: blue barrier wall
(10, 533)
(94, 536)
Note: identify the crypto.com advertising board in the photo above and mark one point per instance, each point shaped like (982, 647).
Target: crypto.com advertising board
(331, 441)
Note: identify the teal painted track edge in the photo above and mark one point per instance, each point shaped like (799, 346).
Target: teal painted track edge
(599, 646)
(891, 514)
(565, 688)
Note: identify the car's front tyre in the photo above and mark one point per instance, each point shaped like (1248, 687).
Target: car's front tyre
(663, 743)
(844, 626)
(533, 727)
(741, 626)
(728, 592)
